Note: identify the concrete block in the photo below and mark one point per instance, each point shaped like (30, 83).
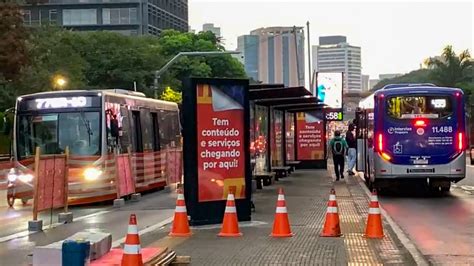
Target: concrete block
(136, 197)
(65, 217)
(119, 203)
(35, 226)
(51, 255)
(101, 242)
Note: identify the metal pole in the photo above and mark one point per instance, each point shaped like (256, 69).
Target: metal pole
(180, 54)
(297, 58)
(309, 60)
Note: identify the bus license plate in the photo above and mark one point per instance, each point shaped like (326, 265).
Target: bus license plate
(420, 161)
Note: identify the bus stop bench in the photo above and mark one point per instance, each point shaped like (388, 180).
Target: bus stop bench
(292, 165)
(281, 171)
(263, 177)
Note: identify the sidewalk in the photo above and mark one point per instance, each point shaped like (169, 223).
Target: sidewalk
(306, 194)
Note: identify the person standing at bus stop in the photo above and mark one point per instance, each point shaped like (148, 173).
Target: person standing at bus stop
(352, 152)
(338, 149)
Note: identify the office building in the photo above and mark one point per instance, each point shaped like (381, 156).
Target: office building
(274, 55)
(365, 82)
(389, 76)
(210, 27)
(130, 17)
(334, 54)
(372, 83)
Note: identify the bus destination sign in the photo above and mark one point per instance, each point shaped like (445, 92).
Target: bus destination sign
(60, 102)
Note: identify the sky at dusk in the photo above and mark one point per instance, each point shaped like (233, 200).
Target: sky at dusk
(394, 37)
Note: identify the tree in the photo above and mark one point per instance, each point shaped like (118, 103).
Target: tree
(416, 76)
(116, 61)
(451, 69)
(171, 95)
(172, 42)
(13, 35)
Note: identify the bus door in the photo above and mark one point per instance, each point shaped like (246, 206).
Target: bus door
(138, 148)
(361, 133)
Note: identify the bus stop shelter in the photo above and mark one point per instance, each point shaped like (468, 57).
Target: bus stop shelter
(286, 126)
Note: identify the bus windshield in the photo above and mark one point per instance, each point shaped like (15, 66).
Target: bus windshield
(411, 106)
(53, 132)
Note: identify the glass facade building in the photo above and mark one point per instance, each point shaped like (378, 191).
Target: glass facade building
(129, 17)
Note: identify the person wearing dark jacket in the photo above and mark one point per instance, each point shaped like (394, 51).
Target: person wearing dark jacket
(352, 152)
(338, 149)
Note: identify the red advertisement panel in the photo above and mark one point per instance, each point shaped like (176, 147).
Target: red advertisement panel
(309, 140)
(220, 140)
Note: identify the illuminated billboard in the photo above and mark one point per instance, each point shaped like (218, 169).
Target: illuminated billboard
(329, 88)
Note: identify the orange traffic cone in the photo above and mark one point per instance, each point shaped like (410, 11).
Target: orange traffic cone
(131, 251)
(281, 224)
(331, 225)
(230, 225)
(374, 227)
(180, 225)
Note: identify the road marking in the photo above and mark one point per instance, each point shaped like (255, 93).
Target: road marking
(27, 233)
(468, 188)
(168, 220)
(472, 166)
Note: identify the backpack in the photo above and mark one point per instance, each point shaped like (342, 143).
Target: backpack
(337, 147)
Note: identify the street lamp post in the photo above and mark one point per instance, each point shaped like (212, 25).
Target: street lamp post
(59, 82)
(159, 72)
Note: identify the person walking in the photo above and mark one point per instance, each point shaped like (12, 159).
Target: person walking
(338, 149)
(352, 152)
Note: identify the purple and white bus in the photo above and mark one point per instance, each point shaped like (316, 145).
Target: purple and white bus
(414, 133)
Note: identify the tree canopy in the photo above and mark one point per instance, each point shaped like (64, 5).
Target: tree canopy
(101, 59)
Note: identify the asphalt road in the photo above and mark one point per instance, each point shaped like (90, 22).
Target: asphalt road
(441, 226)
(152, 211)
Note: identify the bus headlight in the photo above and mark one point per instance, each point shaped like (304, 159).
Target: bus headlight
(12, 177)
(26, 178)
(91, 174)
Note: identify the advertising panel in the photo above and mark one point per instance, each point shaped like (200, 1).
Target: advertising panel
(276, 138)
(220, 142)
(290, 136)
(329, 88)
(309, 137)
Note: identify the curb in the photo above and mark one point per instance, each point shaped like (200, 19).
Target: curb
(401, 235)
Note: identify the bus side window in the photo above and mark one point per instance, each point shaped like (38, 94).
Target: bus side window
(155, 132)
(124, 139)
(147, 129)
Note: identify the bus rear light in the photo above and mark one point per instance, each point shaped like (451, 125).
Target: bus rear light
(420, 123)
(460, 141)
(385, 156)
(380, 142)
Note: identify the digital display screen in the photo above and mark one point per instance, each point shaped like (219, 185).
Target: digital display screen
(59, 102)
(329, 88)
(333, 115)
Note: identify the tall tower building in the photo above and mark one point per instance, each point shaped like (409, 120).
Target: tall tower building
(334, 54)
(274, 55)
(210, 27)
